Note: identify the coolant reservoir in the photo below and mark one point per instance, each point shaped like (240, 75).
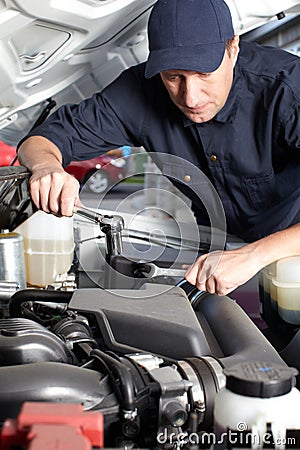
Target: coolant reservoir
(287, 284)
(48, 247)
(258, 408)
(268, 291)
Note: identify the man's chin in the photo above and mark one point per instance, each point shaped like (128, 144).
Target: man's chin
(198, 117)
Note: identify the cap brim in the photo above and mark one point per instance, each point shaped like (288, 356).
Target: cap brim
(199, 58)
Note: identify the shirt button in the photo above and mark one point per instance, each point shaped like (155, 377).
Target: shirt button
(187, 178)
(213, 158)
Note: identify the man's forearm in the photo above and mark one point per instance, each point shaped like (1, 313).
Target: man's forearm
(277, 245)
(37, 152)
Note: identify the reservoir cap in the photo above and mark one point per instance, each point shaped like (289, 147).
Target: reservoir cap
(260, 379)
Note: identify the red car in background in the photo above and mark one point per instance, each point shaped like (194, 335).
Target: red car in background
(99, 173)
(95, 174)
(7, 154)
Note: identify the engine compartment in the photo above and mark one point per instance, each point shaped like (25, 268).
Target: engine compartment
(150, 373)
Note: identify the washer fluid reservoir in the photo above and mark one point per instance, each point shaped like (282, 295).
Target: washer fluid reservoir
(48, 247)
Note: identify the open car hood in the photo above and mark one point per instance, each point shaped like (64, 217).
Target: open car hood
(68, 49)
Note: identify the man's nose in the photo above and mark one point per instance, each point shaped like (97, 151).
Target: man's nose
(192, 92)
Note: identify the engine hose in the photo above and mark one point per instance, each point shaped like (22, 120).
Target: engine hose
(125, 378)
(27, 295)
(240, 340)
(54, 382)
(238, 337)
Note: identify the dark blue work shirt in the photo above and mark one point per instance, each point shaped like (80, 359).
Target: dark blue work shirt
(249, 151)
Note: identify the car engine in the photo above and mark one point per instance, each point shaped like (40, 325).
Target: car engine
(165, 365)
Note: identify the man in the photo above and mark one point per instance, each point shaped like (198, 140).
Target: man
(231, 110)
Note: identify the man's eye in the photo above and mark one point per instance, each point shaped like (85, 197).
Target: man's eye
(205, 74)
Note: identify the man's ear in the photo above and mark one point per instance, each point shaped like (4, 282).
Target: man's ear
(235, 48)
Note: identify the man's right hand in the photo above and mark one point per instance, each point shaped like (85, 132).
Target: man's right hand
(52, 189)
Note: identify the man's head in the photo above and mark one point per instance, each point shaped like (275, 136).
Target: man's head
(187, 43)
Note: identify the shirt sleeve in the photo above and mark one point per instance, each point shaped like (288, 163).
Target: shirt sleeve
(94, 126)
(289, 110)
(291, 128)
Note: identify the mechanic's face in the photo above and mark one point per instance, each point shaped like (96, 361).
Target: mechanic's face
(200, 96)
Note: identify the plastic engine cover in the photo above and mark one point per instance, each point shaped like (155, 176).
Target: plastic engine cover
(158, 319)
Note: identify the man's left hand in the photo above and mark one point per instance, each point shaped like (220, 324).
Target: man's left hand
(222, 272)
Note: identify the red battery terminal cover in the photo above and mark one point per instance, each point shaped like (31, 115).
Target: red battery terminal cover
(53, 426)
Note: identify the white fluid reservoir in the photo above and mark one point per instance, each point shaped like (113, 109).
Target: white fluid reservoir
(287, 284)
(258, 408)
(48, 247)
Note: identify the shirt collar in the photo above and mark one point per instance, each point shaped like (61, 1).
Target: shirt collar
(229, 110)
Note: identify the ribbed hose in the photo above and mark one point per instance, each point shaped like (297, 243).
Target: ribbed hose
(32, 295)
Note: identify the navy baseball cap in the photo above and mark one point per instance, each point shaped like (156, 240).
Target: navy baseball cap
(188, 35)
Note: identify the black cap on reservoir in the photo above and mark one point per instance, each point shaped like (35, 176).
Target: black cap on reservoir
(260, 379)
